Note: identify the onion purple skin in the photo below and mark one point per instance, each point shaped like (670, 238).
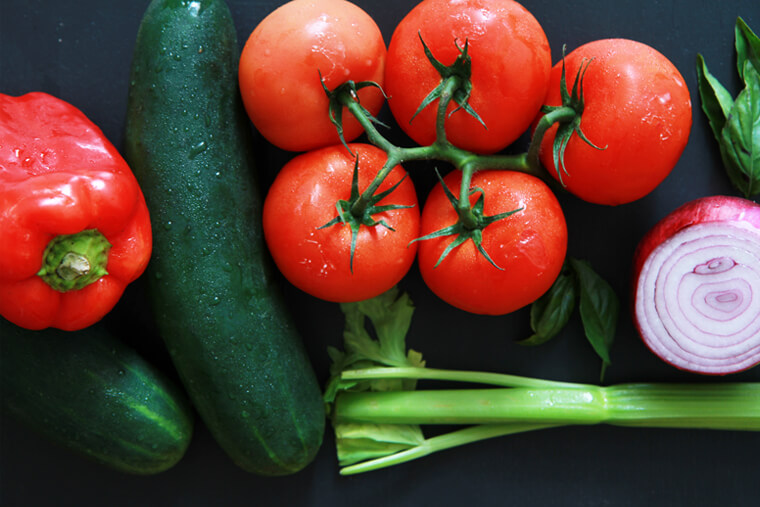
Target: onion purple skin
(731, 212)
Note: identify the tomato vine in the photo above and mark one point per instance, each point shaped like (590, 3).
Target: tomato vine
(598, 303)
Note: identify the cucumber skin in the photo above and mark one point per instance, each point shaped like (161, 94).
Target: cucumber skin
(92, 394)
(216, 304)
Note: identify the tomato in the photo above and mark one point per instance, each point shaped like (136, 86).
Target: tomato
(529, 246)
(280, 65)
(637, 105)
(511, 62)
(317, 260)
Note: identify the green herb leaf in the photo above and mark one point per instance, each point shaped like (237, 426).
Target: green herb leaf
(740, 137)
(747, 48)
(716, 100)
(599, 308)
(551, 312)
(736, 123)
(390, 316)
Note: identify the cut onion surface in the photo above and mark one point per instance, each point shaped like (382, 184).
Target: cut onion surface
(697, 286)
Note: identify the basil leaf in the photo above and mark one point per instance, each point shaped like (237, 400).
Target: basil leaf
(747, 48)
(599, 308)
(716, 100)
(740, 137)
(550, 313)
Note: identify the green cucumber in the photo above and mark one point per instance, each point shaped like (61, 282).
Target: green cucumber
(90, 393)
(215, 300)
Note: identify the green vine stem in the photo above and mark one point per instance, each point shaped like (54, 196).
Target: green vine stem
(442, 150)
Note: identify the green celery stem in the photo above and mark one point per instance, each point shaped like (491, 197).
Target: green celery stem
(712, 406)
(442, 442)
(726, 406)
(472, 406)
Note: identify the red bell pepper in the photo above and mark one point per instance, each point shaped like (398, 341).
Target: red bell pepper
(74, 227)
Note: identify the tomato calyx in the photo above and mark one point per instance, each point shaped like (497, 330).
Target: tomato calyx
(359, 209)
(470, 224)
(343, 94)
(570, 120)
(461, 70)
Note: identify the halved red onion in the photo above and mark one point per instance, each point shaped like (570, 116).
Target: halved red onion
(697, 286)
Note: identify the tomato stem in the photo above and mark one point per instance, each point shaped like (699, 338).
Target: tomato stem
(359, 206)
(442, 149)
(450, 86)
(561, 114)
(466, 217)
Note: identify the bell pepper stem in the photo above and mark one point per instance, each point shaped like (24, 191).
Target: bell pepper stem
(74, 261)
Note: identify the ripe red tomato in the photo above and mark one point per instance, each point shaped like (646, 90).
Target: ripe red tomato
(511, 62)
(303, 198)
(280, 65)
(637, 104)
(529, 246)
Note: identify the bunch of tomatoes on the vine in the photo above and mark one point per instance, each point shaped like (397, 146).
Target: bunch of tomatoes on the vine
(464, 79)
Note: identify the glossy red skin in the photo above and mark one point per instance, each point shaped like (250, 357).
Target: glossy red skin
(511, 62)
(303, 198)
(529, 246)
(60, 175)
(280, 65)
(637, 105)
(716, 208)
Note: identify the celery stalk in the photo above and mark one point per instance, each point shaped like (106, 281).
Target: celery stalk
(377, 412)
(720, 406)
(472, 406)
(442, 442)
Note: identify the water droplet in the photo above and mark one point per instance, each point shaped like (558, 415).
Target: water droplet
(168, 225)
